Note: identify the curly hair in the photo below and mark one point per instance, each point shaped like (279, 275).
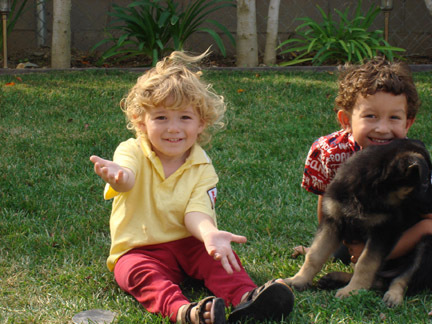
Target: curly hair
(377, 74)
(176, 78)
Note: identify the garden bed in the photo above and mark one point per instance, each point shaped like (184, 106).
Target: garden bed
(42, 59)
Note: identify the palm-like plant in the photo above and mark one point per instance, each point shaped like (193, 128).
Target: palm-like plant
(16, 12)
(151, 28)
(343, 41)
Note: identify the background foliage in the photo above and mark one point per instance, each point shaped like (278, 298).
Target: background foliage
(336, 41)
(17, 9)
(154, 28)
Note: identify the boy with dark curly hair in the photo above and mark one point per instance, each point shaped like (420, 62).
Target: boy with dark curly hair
(377, 102)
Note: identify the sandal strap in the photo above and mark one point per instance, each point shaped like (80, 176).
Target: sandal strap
(255, 292)
(273, 300)
(186, 313)
(199, 314)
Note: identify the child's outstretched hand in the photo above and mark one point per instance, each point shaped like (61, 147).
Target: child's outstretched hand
(119, 178)
(218, 245)
(216, 242)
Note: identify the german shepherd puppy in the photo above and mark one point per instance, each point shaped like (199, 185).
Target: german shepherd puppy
(375, 196)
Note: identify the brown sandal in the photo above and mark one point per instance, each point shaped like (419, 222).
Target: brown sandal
(274, 300)
(217, 311)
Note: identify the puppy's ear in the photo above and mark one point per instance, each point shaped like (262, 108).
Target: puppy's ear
(406, 179)
(417, 171)
(419, 178)
(413, 171)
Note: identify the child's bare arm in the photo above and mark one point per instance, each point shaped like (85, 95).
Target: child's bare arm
(319, 208)
(217, 243)
(409, 239)
(427, 216)
(120, 179)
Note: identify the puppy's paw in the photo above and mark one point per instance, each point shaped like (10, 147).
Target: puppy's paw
(298, 283)
(392, 298)
(345, 292)
(334, 280)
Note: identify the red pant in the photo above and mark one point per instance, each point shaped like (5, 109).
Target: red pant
(152, 275)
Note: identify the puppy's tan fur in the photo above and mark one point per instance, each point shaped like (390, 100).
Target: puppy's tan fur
(376, 195)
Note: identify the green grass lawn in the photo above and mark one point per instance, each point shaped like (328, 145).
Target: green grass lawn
(54, 233)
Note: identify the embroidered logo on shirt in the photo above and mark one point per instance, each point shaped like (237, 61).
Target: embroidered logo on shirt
(212, 194)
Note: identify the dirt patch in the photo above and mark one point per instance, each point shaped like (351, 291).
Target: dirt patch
(41, 58)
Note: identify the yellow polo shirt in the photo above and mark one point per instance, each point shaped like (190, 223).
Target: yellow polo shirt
(152, 212)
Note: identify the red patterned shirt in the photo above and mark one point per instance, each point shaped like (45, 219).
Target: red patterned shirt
(324, 158)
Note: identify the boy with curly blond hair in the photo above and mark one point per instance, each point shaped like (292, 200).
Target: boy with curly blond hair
(163, 221)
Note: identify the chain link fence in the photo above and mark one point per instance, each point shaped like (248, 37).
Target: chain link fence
(410, 23)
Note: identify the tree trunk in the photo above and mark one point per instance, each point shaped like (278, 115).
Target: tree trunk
(272, 33)
(429, 5)
(247, 40)
(61, 35)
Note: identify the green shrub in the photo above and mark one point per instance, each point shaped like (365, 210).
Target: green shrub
(16, 11)
(153, 29)
(342, 41)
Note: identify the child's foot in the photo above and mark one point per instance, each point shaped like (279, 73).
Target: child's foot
(210, 310)
(299, 250)
(272, 301)
(355, 249)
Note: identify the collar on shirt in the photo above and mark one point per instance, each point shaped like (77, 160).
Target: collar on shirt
(353, 142)
(350, 139)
